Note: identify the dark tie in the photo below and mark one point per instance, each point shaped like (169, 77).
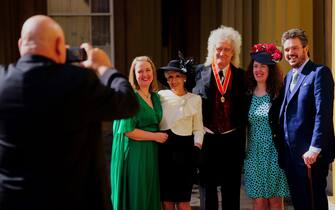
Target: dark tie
(221, 76)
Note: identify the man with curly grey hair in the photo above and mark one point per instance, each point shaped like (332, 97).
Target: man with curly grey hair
(221, 84)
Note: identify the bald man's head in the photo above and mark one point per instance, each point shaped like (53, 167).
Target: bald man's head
(41, 35)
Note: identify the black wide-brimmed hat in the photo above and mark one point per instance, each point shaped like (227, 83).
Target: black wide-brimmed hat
(181, 65)
(266, 53)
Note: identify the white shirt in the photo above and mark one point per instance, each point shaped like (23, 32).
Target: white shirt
(182, 114)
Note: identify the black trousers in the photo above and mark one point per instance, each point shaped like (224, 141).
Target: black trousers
(222, 164)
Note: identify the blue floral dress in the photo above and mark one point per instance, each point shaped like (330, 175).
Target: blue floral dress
(263, 177)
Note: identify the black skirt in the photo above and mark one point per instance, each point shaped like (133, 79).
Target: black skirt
(177, 168)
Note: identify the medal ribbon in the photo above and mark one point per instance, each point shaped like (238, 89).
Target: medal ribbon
(222, 88)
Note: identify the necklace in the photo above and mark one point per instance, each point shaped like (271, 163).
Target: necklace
(148, 96)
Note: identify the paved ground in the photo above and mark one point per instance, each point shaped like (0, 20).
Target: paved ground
(245, 201)
(195, 201)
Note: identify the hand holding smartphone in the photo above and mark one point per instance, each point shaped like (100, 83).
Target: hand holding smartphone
(96, 60)
(75, 54)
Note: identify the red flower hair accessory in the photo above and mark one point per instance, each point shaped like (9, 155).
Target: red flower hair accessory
(269, 53)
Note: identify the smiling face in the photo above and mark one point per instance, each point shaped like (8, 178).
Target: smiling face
(295, 53)
(143, 74)
(261, 72)
(223, 54)
(176, 80)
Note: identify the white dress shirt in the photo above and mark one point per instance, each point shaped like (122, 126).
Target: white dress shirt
(182, 114)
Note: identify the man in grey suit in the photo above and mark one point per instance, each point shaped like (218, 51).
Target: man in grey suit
(51, 151)
(306, 119)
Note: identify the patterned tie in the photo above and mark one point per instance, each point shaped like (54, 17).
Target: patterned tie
(294, 79)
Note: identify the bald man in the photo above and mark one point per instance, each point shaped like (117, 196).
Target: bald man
(51, 154)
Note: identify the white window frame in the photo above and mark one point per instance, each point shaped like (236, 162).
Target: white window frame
(86, 14)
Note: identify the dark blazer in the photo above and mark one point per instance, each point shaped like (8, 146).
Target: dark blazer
(51, 152)
(309, 112)
(204, 75)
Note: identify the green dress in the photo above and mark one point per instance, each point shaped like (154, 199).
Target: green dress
(263, 177)
(134, 164)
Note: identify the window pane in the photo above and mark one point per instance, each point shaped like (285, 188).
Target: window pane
(101, 30)
(68, 6)
(100, 5)
(76, 29)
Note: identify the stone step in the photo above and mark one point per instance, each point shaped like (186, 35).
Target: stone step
(246, 203)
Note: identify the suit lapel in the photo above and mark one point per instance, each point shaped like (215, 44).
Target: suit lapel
(302, 76)
(206, 76)
(235, 80)
(297, 86)
(233, 70)
(287, 91)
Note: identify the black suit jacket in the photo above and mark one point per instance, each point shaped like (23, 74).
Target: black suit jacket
(51, 154)
(204, 75)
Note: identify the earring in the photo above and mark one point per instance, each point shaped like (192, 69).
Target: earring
(184, 80)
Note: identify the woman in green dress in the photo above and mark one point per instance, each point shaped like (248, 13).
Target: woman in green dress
(265, 181)
(134, 161)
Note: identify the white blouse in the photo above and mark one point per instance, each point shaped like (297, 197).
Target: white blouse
(182, 114)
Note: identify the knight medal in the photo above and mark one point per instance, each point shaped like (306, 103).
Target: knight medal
(222, 99)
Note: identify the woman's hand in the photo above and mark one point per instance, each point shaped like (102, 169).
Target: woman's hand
(161, 137)
(198, 145)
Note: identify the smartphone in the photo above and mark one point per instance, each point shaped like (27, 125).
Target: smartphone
(75, 54)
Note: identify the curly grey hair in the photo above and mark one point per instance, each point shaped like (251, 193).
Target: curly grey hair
(224, 33)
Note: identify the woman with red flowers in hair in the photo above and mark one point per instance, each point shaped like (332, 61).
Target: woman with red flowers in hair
(265, 181)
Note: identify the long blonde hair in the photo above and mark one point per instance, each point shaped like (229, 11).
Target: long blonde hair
(132, 78)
